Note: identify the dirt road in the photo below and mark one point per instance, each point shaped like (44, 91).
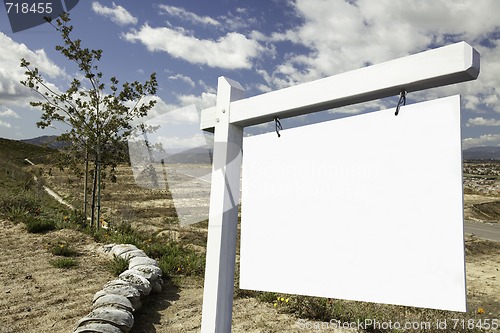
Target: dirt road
(489, 231)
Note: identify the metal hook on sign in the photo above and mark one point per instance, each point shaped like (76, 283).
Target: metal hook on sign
(278, 126)
(402, 101)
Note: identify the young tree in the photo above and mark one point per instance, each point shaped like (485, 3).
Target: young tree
(98, 121)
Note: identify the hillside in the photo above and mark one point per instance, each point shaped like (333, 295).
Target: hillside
(16, 151)
(46, 141)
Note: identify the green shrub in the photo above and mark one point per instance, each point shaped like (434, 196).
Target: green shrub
(124, 234)
(124, 228)
(63, 250)
(21, 201)
(178, 259)
(78, 218)
(98, 236)
(39, 225)
(267, 297)
(126, 239)
(72, 219)
(157, 249)
(17, 214)
(118, 265)
(64, 262)
(28, 183)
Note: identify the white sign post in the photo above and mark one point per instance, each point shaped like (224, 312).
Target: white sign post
(443, 66)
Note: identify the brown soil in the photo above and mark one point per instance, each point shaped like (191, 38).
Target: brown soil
(36, 297)
(489, 211)
(482, 208)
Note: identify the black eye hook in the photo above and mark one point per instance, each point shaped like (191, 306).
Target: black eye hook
(402, 101)
(278, 126)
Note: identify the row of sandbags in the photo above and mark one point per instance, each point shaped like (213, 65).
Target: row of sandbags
(114, 305)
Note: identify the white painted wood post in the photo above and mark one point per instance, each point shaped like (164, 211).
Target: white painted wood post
(223, 215)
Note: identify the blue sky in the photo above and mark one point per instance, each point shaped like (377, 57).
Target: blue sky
(263, 44)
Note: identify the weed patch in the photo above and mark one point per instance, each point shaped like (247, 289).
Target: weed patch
(12, 205)
(118, 265)
(64, 262)
(17, 214)
(40, 225)
(63, 250)
(124, 234)
(182, 260)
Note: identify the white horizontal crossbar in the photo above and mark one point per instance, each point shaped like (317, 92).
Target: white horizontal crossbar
(438, 67)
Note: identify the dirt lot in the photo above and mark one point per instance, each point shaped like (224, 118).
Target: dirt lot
(36, 297)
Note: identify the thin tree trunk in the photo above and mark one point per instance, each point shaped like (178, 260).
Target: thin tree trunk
(94, 190)
(85, 185)
(98, 187)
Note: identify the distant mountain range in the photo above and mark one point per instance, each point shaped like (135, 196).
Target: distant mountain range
(198, 155)
(482, 153)
(45, 141)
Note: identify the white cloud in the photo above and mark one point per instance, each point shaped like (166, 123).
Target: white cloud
(188, 16)
(480, 121)
(204, 101)
(443, 17)
(182, 78)
(207, 88)
(5, 124)
(13, 52)
(339, 36)
(176, 142)
(229, 22)
(160, 107)
(375, 105)
(263, 88)
(184, 111)
(174, 113)
(485, 88)
(175, 128)
(239, 21)
(342, 36)
(6, 112)
(483, 140)
(11, 91)
(182, 115)
(7, 84)
(231, 51)
(117, 14)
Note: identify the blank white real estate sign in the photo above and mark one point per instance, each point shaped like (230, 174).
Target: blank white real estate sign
(365, 208)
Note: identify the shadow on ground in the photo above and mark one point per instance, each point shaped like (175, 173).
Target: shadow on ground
(148, 318)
